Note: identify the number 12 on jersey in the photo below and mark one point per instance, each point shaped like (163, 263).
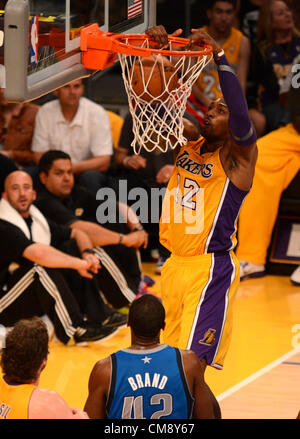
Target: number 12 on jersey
(189, 205)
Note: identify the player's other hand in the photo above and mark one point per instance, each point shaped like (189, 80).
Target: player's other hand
(159, 34)
(200, 36)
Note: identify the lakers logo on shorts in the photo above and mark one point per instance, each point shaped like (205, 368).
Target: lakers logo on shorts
(209, 337)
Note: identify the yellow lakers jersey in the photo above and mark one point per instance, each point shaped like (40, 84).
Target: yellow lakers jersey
(14, 400)
(201, 205)
(208, 81)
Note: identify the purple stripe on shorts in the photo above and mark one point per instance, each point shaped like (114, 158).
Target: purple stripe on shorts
(224, 229)
(212, 312)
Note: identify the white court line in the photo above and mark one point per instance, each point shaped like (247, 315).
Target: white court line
(258, 374)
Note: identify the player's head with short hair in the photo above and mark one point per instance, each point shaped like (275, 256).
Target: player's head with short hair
(25, 352)
(146, 316)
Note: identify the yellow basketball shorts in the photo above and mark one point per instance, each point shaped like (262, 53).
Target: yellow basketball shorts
(197, 293)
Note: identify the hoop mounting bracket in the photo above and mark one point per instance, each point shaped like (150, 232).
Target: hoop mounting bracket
(97, 50)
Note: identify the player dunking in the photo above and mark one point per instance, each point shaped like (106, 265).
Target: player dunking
(210, 181)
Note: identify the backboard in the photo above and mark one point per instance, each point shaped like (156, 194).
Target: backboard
(42, 39)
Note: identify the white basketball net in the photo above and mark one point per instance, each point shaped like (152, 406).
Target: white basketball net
(158, 123)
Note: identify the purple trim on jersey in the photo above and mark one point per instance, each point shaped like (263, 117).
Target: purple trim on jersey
(211, 317)
(240, 126)
(224, 226)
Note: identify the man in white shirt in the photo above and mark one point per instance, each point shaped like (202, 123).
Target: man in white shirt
(79, 127)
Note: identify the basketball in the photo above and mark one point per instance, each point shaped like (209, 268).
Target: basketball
(153, 77)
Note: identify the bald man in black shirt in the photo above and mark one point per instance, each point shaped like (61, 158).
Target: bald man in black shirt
(31, 280)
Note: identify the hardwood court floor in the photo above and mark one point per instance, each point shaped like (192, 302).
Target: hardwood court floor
(267, 311)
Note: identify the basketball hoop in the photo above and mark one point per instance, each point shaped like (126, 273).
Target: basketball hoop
(157, 105)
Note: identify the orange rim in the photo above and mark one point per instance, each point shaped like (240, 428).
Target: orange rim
(130, 44)
(99, 49)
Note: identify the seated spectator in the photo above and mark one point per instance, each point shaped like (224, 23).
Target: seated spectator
(31, 278)
(16, 130)
(60, 200)
(23, 360)
(277, 164)
(79, 127)
(221, 15)
(147, 170)
(277, 50)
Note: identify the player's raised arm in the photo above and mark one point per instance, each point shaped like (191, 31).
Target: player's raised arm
(240, 126)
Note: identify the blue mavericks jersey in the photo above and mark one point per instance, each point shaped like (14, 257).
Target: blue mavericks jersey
(148, 384)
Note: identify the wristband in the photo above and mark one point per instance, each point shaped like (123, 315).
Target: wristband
(88, 250)
(220, 54)
(121, 238)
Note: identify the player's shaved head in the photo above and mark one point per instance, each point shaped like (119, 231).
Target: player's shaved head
(146, 316)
